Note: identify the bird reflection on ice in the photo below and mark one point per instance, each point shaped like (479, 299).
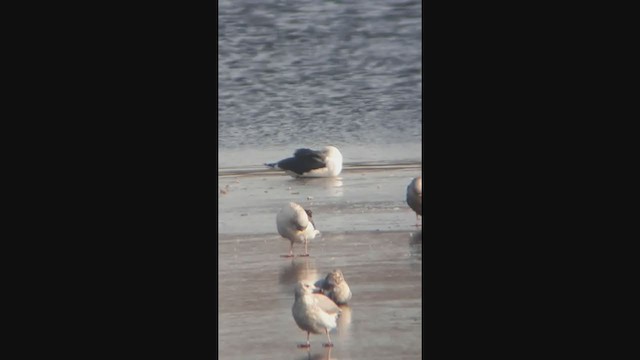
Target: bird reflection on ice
(326, 355)
(333, 186)
(344, 322)
(415, 245)
(300, 269)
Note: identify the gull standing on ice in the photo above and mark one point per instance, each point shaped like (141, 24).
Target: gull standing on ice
(414, 196)
(314, 313)
(296, 224)
(312, 163)
(335, 287)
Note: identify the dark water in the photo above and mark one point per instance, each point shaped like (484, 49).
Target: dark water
(295, 73)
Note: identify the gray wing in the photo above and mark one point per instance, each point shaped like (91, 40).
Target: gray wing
(327, 305)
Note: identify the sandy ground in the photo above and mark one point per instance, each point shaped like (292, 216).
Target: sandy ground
(367, 231)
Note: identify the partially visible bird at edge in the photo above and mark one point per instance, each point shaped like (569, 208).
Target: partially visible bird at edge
(414, 197)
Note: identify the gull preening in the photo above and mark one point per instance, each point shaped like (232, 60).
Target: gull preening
(335, 287)
(314, 313)
(414, 196)
(296, 224)
(312, 163)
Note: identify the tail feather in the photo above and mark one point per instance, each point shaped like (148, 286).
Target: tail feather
(272, 165)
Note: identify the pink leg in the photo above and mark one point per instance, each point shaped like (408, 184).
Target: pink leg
(306, 253)
(329, 344)
(307, 345)
(290, 252)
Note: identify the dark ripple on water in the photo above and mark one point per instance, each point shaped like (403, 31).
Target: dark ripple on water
(350, 72)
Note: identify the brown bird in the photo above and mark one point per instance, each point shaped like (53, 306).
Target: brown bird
(314, 313)
(414, 197)
(335, 287)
